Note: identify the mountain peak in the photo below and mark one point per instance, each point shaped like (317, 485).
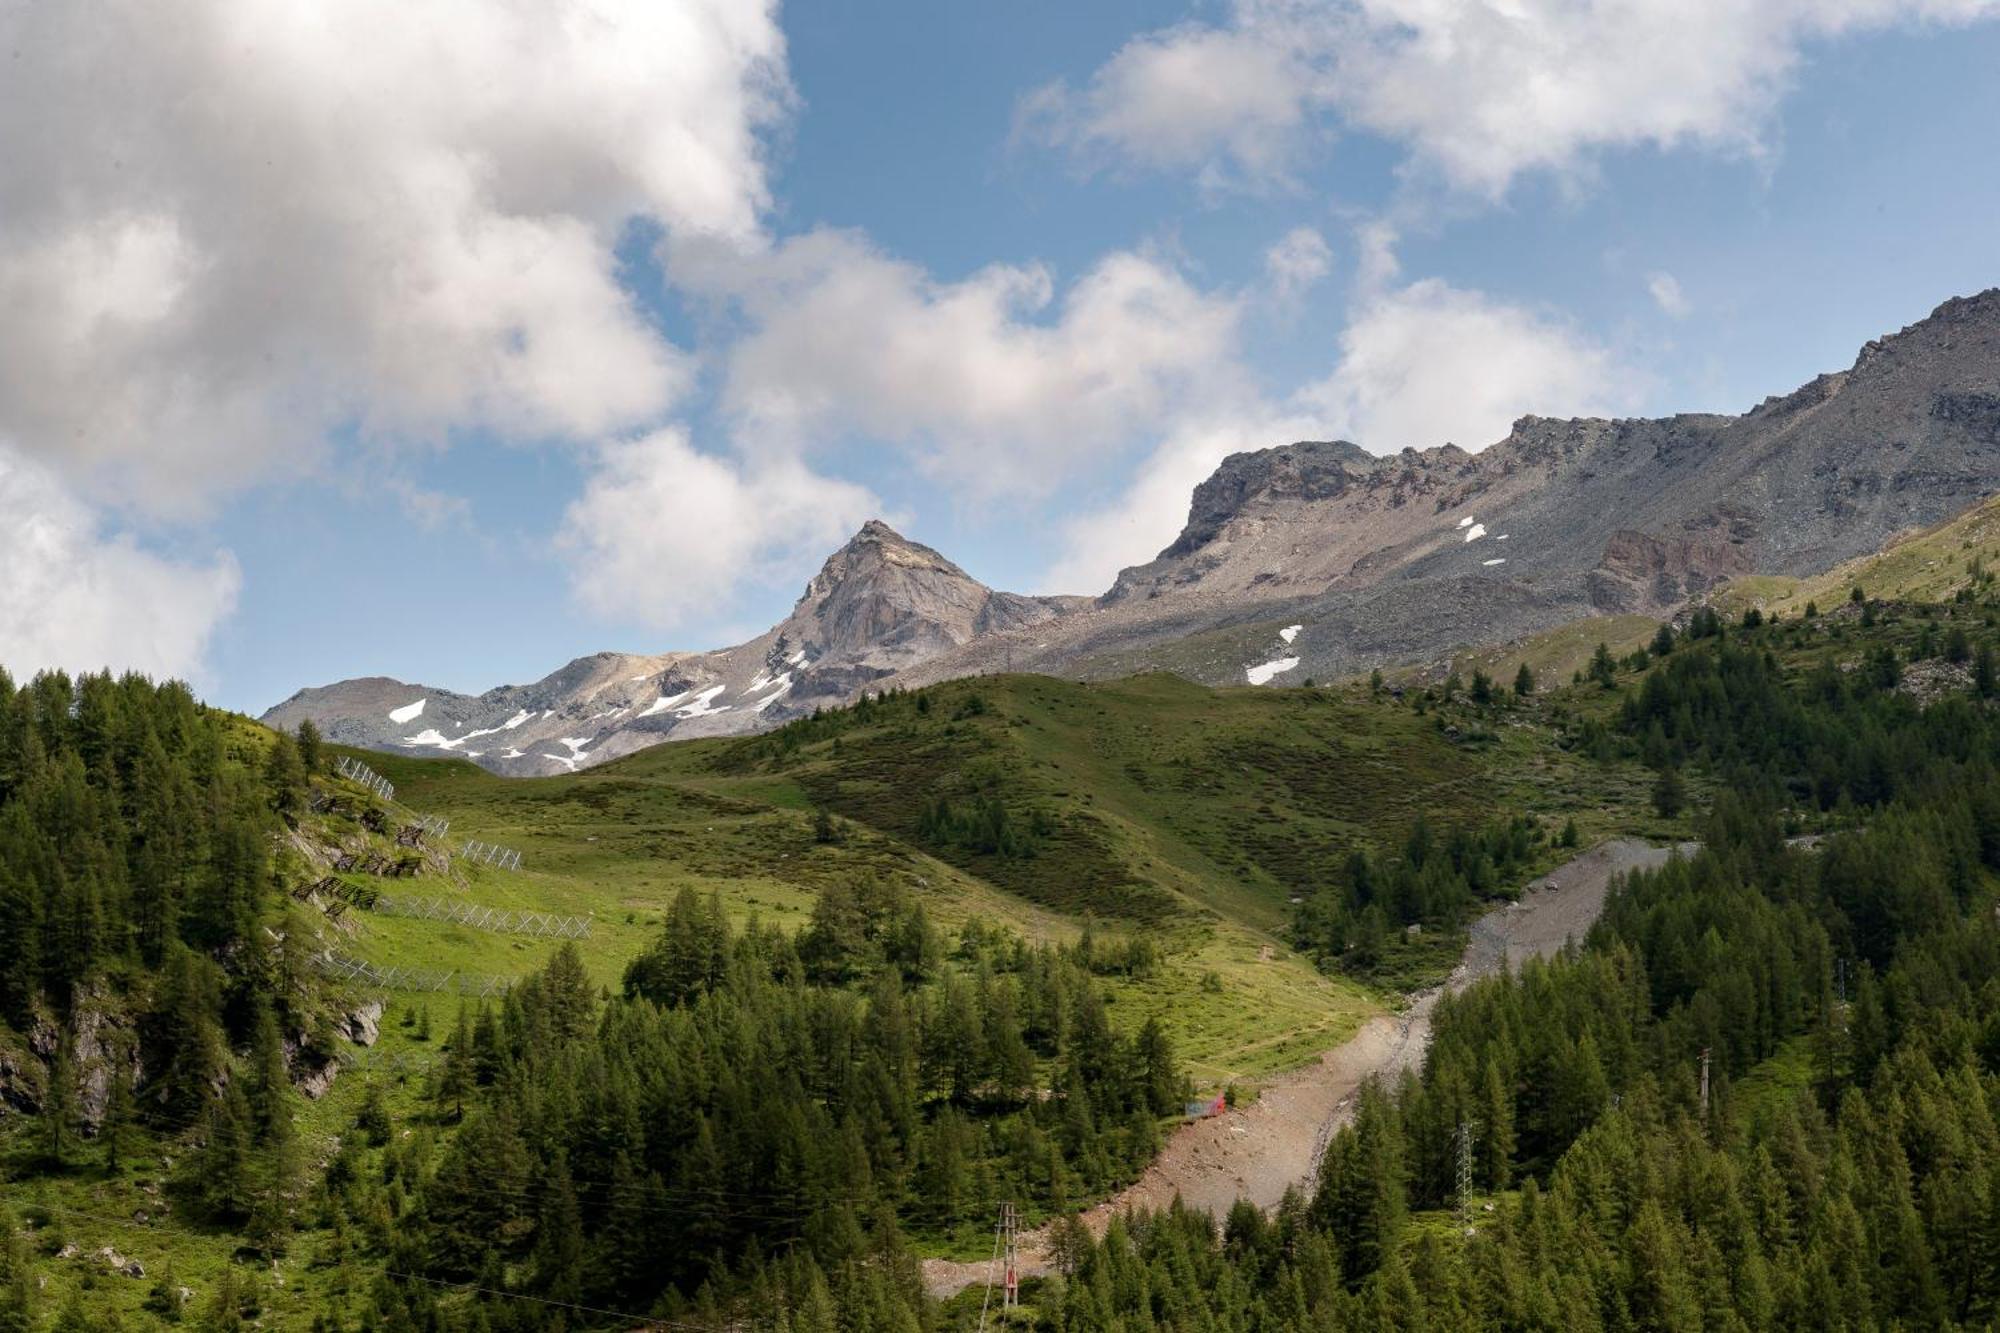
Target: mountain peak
(875, 530)
(873, 551)
(1306, 470)
(883, 602)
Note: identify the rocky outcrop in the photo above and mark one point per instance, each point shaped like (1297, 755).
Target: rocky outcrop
(364, 1025)
(1642, 573)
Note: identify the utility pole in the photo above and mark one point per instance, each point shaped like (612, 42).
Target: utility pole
(1010, 1227)
(1467, 1129)
(1704, 1083)
(1006, 1249)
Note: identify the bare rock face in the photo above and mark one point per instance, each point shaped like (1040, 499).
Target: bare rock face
(885, 601)
(23, 1080)
(364, 1025)
(1641, 573)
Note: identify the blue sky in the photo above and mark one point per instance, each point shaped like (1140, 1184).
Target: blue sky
(436, 381)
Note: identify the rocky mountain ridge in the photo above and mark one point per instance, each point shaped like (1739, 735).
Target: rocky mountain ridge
(1316, 559)
(880, 605)
(1402, 558)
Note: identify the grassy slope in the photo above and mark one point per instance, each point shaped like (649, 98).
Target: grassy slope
(1928, 566)
(1192, 813)
(1557, 655)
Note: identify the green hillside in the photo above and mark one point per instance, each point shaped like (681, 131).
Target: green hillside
(1957, 557)
(1171, 823)
(1150, 805)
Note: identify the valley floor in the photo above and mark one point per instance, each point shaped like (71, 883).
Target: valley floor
(1262, 1148)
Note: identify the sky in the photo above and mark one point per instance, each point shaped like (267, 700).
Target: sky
(451, 342)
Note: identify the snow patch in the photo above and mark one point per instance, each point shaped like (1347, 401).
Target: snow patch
(511, 754)
(1475, 532)
(701, 707)
(798, 659)
(408, 712)
(1501, 538)
(568, 759)
(1263, 672)
(664, 702)
(1465, 522)
(433, 737)
(1501, 561)
(1290, 632)
(783, 686)
(516, 720)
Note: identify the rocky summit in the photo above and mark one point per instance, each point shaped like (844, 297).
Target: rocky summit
(1314, 559)
(879, 606)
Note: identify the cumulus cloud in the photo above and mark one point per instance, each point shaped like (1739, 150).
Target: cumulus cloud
(1429, 363)
(1480, 90)
(663, 532)
(77, 598)
(231, 226)
(1230, 102)
(1297, 261)
(998, 383)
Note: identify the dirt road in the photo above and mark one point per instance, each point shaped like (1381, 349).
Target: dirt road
(1259, 1150)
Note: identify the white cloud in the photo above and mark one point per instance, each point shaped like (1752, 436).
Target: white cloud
(230, 226)
(1480, 90)
(1666, 292)
(1224, 101)
(664, 533)
(996, 383)
(1298, 260)
(75, 598)
(1429, 363)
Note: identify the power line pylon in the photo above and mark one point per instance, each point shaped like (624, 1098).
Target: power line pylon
(1006, 1248)
(1010, 1228)
(1467, 1131)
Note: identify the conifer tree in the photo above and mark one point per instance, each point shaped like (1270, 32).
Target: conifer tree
(310, 743)
(58, 1115)
(1603, 667)
(285, 774)
(1669, 792)
(17, 1295)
